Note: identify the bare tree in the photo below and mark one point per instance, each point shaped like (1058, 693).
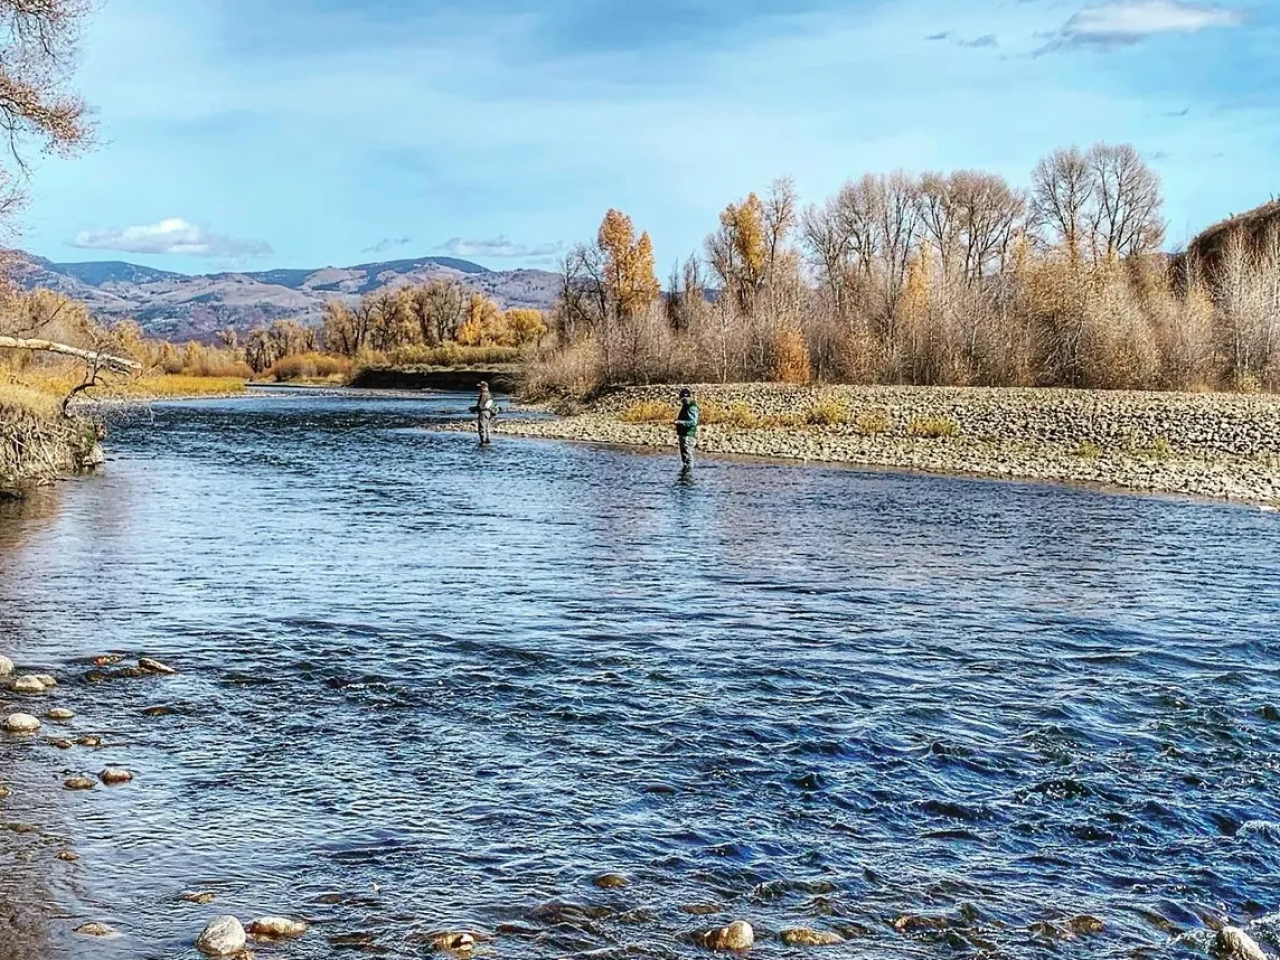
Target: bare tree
(1062, 191)
(1124, 218)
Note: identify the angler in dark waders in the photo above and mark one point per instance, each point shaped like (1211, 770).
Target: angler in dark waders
(485, 411)
(687, 428)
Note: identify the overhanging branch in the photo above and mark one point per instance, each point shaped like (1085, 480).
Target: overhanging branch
(119, 364)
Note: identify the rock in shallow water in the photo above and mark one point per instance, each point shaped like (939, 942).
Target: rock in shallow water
(61, 714)
(80, 783)
(68, 856)
(277, 928)
(114, 776)
(200, 896)
(21, 723)
(27, 685)
(6, 667)
(459, 942)
(155, 666)
(1232, 943)
(804, 937)
(95, 930)
(223, 937)
(736, 936)
(611, 881)
(47, 681)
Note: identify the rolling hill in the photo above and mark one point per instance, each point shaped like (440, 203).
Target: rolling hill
(181, 307)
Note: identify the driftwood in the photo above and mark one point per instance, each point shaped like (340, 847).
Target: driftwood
(50, 346)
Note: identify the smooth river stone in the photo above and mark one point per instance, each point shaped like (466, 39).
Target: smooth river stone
(201, 897)
(277, 928)
(80, 783)
(61, 714)
(28, 685)
(6, 667)
(48, 681)
(21, 723)
(611, 881)
(223, 937)
(114, 776)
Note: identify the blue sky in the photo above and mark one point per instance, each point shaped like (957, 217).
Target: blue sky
(244, 134)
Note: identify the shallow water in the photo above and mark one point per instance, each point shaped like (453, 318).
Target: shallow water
(428, 687)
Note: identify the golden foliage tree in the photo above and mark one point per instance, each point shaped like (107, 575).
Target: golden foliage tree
(630, 278)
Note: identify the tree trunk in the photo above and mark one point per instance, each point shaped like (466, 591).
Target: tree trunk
(49, 346)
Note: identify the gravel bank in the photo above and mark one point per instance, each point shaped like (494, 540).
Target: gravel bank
(1220, 446)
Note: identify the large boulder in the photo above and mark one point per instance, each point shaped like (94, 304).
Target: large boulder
(736, 936)
(21, 723)
(1232, 943)
(28, 685)
(114, 776)
(147, 665)
(223, 937)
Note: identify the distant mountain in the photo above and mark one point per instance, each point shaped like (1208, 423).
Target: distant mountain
(180, 307)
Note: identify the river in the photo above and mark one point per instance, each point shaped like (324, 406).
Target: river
(425, 686)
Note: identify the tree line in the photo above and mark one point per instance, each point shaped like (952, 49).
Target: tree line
(957, 278)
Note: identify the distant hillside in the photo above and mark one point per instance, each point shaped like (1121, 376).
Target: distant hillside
(181, 307)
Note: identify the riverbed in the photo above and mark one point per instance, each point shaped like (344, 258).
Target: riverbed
(425, 686)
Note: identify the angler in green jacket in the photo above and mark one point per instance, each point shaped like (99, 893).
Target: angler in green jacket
(687, 427)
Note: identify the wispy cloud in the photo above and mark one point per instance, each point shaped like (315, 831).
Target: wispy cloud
(390, 243)
(500, 246)
(981, 43)
(944, 35)
(1121, 23)
(171, 236)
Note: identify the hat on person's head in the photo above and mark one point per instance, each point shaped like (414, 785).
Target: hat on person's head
(483, 383)
(685, 393)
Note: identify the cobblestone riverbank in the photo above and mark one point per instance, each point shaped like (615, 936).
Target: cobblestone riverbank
(1221, 446)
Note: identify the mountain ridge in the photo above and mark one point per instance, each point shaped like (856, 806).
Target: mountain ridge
(180, 306)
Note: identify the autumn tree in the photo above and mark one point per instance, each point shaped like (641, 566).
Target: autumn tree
(522, 327)
(481, 320)
(630, 283)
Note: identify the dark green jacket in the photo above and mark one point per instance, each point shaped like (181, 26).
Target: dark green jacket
(687, 423)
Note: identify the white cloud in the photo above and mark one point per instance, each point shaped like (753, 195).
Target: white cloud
(172, 235)
(1126, 22)
(499, 246)
(389, 243)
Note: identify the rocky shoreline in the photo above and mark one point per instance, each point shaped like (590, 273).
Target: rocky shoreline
(1215, 446)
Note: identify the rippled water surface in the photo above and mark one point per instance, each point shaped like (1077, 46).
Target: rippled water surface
(425, 686)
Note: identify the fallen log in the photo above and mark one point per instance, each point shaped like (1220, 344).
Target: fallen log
(90, 356)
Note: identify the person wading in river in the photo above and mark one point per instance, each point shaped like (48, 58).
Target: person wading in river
(687, 427)
(485, 411)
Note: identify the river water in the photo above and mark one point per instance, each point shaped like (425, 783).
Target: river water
(426, 686)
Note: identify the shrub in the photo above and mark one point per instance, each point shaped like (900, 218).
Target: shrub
(875, 421)
(828, 412)
(784, 421)
(934, 428)
(735, 415)
(649, 411)
(309, 366)
(791, 362)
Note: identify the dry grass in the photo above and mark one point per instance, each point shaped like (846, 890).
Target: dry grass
(21, 398)
(738, 415)
(829, 412)
(874, 422)
(933, 428)
(451, 355)
(650, 411)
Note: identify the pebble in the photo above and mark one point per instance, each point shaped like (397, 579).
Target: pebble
(1084, 925)
(60, 744)
(27, 685)
(157, 711)
(277, 928)
(21, 723)
(202, 897)
(155, 666)
(114, 776)
(611, 881)
(80, 783)
(6, 667)
(736, 936)
(91, 742)
(1232, 943)
(95, 930)
(223, 937)
(61, 714)
(804, 937)
(911, 923)
(68, 856)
